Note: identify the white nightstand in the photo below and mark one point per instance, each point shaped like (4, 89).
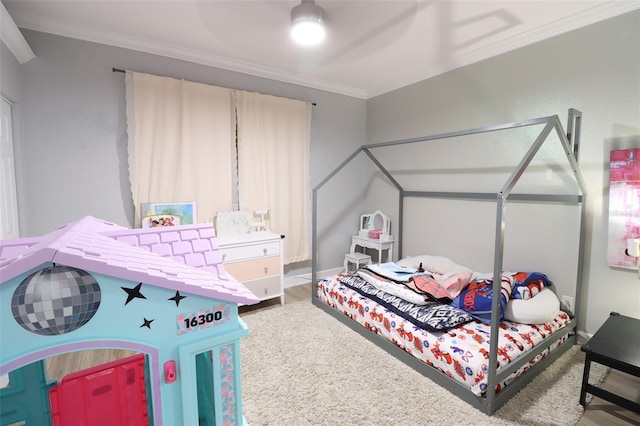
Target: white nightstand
(256, 260)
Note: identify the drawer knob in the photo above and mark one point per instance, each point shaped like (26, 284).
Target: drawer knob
(224, 256)
(264, 250)
(266, 270)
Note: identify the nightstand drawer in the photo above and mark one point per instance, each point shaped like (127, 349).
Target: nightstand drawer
(232, 254)
(254, 269)
(265, 288)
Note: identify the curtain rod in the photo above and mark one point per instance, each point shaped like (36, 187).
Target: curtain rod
(123, 71)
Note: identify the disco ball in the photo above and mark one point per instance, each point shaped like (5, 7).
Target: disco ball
(55, 300)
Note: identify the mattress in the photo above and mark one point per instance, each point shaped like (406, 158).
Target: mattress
(461, 352)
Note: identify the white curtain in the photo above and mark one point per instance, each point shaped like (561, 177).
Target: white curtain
(180, 143)
(273, 166)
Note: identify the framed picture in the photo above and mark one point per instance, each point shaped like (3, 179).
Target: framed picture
(624, 206)
(157, 220)
(179, 213)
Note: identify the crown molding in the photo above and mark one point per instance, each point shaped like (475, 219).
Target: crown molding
(198, 57)
(13, 39)
(208, 59)
(597, 13)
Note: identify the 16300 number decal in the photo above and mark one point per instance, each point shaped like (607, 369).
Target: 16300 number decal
(202, 319)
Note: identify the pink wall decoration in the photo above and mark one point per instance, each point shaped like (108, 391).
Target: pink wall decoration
(624, 206)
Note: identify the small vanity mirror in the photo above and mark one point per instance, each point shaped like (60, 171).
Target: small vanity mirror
(376, 226)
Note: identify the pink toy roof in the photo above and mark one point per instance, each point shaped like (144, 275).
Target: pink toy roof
(183, 258)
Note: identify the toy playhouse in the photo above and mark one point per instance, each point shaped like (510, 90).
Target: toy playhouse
(160, 292)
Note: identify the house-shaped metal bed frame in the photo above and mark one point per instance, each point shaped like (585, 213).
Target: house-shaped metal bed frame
(569, 139)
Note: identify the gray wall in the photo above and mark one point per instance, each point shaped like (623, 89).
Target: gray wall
(10, 79)
(11, 83)
(73, 150)
(596, 70)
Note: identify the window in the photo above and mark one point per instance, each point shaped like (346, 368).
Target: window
(191, 141)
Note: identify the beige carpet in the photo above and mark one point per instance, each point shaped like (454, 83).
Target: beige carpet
(301, 366)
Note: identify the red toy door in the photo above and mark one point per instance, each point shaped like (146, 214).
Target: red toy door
(110, 394)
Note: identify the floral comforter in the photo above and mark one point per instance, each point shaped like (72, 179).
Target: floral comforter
(461, 352)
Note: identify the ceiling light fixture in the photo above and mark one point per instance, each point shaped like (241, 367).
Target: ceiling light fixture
(307, 23)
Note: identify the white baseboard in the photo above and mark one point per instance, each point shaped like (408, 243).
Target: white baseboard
(295, 281)
(302, 279)
(585, 335)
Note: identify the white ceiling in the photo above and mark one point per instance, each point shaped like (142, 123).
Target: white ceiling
(372, 47)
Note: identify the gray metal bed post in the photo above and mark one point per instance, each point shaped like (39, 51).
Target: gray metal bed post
(572, 142)
(495, 301)
(583, 219)
(314, 240)
(499, 254)
(574, 122)
(314, 219)
(400, 223)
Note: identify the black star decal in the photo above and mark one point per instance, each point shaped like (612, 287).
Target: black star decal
(132, 293)
(147, 323)
(177, 298)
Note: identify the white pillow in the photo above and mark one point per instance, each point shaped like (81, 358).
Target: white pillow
(541, 308)
(438, 264)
